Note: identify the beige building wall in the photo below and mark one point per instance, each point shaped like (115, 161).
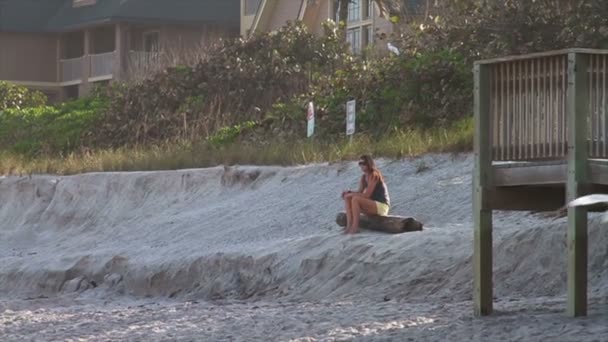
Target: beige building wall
(275, 13)
(193, 37)
(177, 37)
(32, 60)
(316, 14)
(27, 57)
(248, 15)
(383, 25)
(283, 12)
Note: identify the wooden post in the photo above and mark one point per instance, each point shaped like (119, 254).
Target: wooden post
(119, 51)
(59, 54)
(577, 112)
(84, 88)
(482, 212)
(127, 50)
(59, 76)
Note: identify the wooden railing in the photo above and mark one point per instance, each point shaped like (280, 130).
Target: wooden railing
(537, 107)
(598, 124)
(71, 69)
(528, 101)
(102, 64)
(144, 62)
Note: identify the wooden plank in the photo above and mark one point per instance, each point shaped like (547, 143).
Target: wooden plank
(577, 113)
(536, 108)
(596, 107)
(535, 163)
(551, 112)
(385, 224)
(496, 142)
(529, 104)
(528, 198)
(523, 112)
(604, 137)
(516, 113)
(564, 120)
(504, 115)
(562, 52)
(532, 147)
(509, 111)
(598, 172)
(531, 175)
(591, 104)
(482, 212)
(542, 114)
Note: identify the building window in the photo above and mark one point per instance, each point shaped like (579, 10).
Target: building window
(353, 37)
(368, 9)
(368, 35)
(354, 10)
(251, 6)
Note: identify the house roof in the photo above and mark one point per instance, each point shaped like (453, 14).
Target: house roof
(26, 15)
(60, 15)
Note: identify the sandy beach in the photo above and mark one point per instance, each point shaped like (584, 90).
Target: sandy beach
(253, 254)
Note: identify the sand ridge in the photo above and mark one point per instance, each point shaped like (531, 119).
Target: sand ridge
(267, 234)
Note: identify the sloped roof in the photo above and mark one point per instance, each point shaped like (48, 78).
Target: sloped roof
(26, 15)
(60, 15)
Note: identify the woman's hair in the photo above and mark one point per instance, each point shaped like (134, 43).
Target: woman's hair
(367, 160)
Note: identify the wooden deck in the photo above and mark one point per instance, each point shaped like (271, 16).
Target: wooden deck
(547, 173)
(541, 141)
(540, 186)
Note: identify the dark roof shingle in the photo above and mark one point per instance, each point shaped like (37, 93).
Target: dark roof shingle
(60, 15)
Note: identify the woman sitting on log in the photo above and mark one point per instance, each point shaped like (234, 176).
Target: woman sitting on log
(371, 198)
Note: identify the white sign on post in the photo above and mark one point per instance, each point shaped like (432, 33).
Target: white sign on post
(310, 117)
(351, 107)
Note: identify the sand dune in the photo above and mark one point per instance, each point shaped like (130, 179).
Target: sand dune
(240, 237)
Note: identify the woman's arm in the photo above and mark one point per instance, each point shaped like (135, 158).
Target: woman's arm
(359, 192)
(371, 185)
(369, 189)
(361, 188)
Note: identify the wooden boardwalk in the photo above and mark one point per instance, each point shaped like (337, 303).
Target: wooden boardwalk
(541, 140)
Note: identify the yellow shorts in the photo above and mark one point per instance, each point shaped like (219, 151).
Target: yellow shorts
(382, 208)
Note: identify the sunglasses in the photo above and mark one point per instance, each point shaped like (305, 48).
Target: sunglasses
(362, 163)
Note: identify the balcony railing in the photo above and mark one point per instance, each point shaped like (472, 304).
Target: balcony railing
(71, 69)
(143, 62)
(102, 64)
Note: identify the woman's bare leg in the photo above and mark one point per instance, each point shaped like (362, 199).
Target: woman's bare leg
(361, 205)
(349, 216)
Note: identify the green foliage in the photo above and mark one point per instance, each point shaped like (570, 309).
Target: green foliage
(437, 87)
(169, 156)
(16, 97)
(239, 81)
(229, 134)
(492, 28)
(47, 129)
(270, 78)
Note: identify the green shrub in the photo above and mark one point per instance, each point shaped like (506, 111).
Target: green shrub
(239, 81)
(48, 129)
(13, 96)
(494, 28)
(229, 134)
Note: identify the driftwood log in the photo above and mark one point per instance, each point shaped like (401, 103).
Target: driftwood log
(385, 224)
